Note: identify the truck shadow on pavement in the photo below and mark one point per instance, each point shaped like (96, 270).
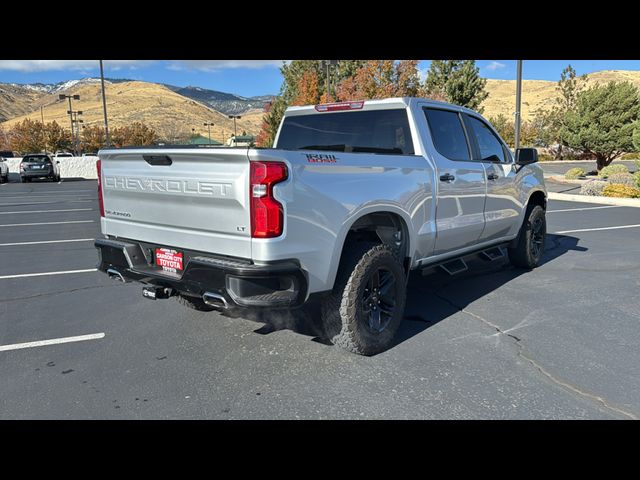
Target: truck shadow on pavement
(431, 298)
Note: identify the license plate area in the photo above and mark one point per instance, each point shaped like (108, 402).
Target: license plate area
(169, 260)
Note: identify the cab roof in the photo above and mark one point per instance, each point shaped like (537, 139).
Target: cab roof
(382, 104)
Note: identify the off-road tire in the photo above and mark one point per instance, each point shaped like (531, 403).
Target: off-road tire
(524, 253)
(194, 303)
(344, 318)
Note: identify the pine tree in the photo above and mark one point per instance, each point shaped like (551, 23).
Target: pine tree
(603, 121)
(458, 81)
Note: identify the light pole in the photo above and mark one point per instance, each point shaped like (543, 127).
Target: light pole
(104, 107)
(209, 124)
(235, 117)
(62, 96)
(518, 99)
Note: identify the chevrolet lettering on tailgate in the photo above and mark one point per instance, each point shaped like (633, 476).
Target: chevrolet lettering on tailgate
(172, 186)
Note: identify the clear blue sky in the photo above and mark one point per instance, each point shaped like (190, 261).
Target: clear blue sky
(254, 77)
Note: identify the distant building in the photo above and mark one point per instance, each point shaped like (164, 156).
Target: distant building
(200, 140)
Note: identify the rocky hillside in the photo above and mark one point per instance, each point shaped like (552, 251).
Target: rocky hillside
(171, 114)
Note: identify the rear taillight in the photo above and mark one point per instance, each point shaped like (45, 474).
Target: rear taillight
(21, 166)
(267, 218)
(100, 201)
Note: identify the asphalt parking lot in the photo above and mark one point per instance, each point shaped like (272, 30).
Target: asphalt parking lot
(562, 341)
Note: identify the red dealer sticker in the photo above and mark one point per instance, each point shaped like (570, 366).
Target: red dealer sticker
(169, 260)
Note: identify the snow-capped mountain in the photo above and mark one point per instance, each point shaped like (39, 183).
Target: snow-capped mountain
(227, 103)
(52, 88)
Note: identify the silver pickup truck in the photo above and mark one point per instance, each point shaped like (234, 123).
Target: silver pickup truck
(352, 197)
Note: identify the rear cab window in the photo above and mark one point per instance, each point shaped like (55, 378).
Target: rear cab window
(369, 131)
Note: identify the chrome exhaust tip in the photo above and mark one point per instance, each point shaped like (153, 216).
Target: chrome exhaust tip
(115, 275)
(215, 300)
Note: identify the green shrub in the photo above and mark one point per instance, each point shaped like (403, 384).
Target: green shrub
(611, 169)
(637, 162)
(544, 157)
(630, 156)
(575, 173)
(620, 191)
(593, 188)
(636, 177)
(622, 179)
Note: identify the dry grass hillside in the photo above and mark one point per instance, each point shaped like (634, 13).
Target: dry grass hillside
(169, 113)
(15, 101)
(540, 93)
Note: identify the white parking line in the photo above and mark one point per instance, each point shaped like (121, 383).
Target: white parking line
(53, 341)
(580, 209)
(22, 203)
(24, 275)
(47, 241)
(37, 197)
(41, 192)
(49, 211)
(597, 229)
(45, 223)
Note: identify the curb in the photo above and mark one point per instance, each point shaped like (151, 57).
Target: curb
(620, 202)
(569, 181)
(579, 161)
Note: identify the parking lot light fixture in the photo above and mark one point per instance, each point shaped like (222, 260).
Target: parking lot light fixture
(209, 124)
(235, 117)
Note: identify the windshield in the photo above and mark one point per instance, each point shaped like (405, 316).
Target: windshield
(36, 159)
(373, 131)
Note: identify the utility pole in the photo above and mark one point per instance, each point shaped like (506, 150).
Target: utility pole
(75, 134)
(209, 125)
(43, 132)
(62, 96)
(328, 64)
(518, 99)
(104, 107)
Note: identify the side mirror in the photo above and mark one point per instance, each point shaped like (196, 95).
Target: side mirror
(526, 156)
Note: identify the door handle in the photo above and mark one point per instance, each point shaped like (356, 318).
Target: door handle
(447, 177)
(493, 176)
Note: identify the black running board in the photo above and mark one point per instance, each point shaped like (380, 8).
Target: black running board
(492, 254)
(456, 265)
(453, 267)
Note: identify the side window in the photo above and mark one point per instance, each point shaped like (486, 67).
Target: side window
(448, 134)
(491, 148)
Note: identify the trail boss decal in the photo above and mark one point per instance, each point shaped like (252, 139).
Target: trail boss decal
(320, 158)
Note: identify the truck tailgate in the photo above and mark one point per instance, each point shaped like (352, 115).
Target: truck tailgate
(193, 199)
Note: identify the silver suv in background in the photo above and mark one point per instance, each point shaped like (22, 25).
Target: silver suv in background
(352, 197)
(39, 165)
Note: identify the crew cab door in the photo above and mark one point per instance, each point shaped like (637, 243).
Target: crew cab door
(460, 182)
(502, 205)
